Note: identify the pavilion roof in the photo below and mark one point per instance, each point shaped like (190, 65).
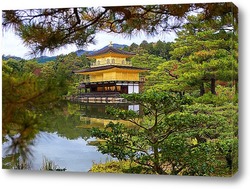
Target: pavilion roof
(110, 49)
(99, 68)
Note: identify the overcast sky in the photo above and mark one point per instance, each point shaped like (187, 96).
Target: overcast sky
(12, 44)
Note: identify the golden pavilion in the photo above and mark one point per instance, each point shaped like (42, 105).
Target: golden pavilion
(110, 75)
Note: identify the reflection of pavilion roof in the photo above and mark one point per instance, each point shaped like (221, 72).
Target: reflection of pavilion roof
(110, 49)
(108, 67)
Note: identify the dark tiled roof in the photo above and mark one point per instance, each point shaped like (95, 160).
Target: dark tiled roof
(109, 49)
(108, 67)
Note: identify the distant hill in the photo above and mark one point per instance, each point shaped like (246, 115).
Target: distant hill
(81, 52)
(119, 46)
(44, 59)
(4, 57)
(41, 59)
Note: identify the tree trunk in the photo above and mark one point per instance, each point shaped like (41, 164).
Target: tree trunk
(229, 159)
(157, 166)
(236, 86)
(212, 86)
(202, 89)
(181, 94)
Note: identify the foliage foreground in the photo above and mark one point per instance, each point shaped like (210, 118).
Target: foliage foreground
(173, 136)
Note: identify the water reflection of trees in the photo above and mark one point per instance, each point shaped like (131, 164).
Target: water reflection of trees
(30, 94)
(63, 120)
(19, 134)
(62, 117)
(98, 110)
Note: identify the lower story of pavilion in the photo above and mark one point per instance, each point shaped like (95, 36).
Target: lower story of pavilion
(110, 87)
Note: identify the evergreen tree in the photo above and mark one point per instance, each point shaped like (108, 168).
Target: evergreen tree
(201, 55)
(173, 136)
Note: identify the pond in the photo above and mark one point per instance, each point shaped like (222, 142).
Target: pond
(64, 140)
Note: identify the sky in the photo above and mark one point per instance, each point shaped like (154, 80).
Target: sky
(13, 45)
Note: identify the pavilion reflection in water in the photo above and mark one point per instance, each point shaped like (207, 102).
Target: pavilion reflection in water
(94, 114)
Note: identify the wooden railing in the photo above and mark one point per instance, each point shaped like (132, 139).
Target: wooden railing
(125, 63)
(100, 94)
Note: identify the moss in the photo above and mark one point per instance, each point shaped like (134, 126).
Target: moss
(118, 167)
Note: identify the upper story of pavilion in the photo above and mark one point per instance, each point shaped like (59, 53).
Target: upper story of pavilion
(110, 55)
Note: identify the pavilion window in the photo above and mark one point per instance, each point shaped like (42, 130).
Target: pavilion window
(118, 88)
(99, 89)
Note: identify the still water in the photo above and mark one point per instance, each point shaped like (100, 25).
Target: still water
(72, 154)
(64, 138)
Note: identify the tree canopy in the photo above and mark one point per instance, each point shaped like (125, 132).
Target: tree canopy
(30, 90)
(203, 54)
(50, 29)
(173, 136)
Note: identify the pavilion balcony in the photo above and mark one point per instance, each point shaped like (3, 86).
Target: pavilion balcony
(88, 81)
(100, 94)
(111, 62)
(100, 97)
